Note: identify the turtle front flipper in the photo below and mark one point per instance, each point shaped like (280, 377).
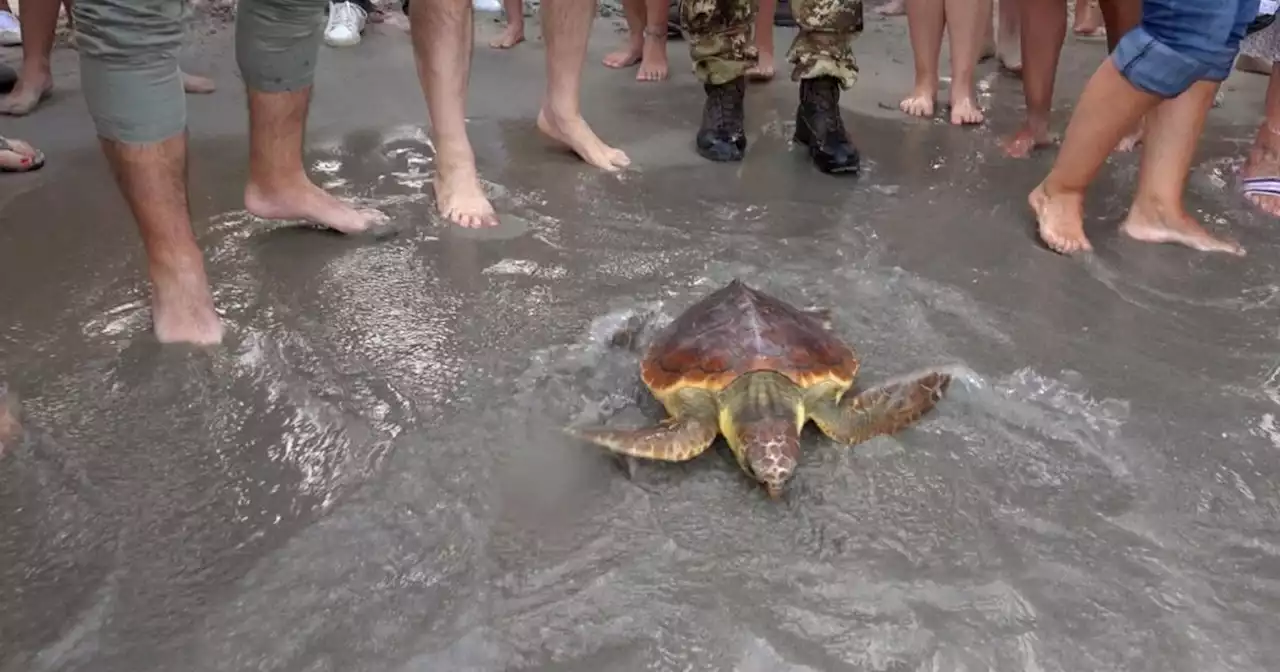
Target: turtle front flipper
(677, 439)
(885, 409)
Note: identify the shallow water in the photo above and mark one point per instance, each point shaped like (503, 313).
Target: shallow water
(370, 474)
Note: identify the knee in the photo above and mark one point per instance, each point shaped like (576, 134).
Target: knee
(128, 32)
(1179, 43)
(1166, 61)
(129, 68)
(277, 42)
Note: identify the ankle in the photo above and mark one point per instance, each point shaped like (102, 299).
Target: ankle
(561, 112)
(1057, 191)
(35, 72)
(1154, 205)
(276, 181)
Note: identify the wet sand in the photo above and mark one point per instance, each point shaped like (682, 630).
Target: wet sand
(370, 474)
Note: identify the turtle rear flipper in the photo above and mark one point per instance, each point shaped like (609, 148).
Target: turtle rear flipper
(675, 440)
(885, 409)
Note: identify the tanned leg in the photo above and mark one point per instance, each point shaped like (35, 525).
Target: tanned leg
(153, 179)
(442, 37)
(566, 25)
(1044, 29)
(39, 19)
(1120, 17)
(1157, 215)
(653, 64)
(513, 34)
(763, 70)
(968, 21)
(1264, 156)
(1108, 107)
(926, 20)
(629, 54)
(278, 185)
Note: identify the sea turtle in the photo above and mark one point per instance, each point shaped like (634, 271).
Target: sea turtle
(750, 366)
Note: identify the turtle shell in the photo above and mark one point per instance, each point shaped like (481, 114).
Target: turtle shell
(738, 329)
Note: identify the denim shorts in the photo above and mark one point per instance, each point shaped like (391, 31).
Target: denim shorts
(1181, 42)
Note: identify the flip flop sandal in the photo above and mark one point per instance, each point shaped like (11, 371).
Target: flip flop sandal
(1266, 16)
(1260, 22)
(1261, 186)
(37, 160)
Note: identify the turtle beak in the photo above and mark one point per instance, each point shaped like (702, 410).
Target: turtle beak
(774, 492)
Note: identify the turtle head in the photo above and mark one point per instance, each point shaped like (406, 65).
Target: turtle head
(772, 451)
(761, 416)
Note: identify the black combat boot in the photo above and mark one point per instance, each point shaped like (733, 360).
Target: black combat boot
(818, 125)
(721, 137)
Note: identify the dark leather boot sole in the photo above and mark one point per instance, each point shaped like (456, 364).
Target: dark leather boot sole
(719, 148)
(846, 162)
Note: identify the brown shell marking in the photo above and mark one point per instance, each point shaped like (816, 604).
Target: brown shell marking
(738, 329)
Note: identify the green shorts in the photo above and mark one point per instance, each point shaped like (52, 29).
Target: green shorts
(129, 59)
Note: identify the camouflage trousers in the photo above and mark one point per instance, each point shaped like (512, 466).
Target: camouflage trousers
(720, 38)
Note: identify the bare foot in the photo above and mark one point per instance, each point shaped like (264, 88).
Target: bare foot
(510, 37)
(1061, 220)
(303, 200)
(893, 8)
(26, 96)
(626, 56)
(459, 197)
(653, 62)
(1261, 177)
(574, 133)
(1026, 140)
(1153, 223)
(920, 102)
(197, 84)
(965, 110)
(1010, 58)
(763, 70)
(1133, 139)
(1089, 23)
(1258, 66)
(182, 307)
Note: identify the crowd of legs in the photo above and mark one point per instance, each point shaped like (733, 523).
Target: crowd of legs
(1157, 82)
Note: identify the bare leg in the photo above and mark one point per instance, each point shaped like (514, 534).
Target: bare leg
(566, 25)
(1264, 157)
(514, 32)
(153, 179)
(925, 22)
(763, 70)
(1120, 17)
(630, 53)
(442, 37)
(1108, 107)
(39, 20)
(965, 25)
(653, 66)
(1009, 35)
(1157, 215)
(1044, 28)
